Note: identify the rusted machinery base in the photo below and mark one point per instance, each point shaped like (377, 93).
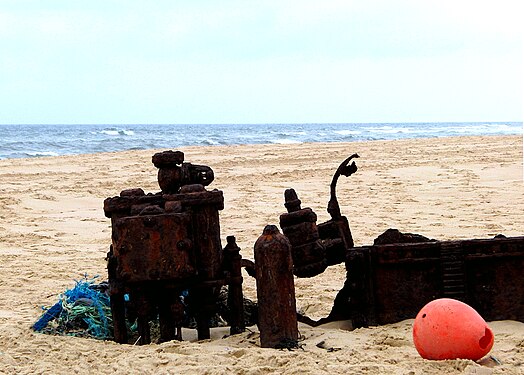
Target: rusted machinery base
(167, 243)
(390, 283)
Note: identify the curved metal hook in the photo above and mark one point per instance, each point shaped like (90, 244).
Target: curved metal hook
(344, 169)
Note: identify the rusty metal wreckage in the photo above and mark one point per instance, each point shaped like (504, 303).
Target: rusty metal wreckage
(169, 242)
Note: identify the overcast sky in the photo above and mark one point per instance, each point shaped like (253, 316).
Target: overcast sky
(281, 61)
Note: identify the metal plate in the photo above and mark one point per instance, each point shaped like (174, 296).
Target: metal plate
(153, 247)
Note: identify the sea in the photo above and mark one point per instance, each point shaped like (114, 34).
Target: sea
(23, 141)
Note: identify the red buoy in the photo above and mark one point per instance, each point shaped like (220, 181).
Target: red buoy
(449, 329)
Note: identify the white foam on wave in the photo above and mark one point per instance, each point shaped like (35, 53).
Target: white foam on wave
(116, 132)
(109, 132)
(289, 133)
(348, 132)
(285, 141)
(41, 153)
(210, 142)
(501, 128)
(389, 130)
(483, 129)
(473, 129)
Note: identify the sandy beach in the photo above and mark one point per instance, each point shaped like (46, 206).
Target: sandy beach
(53, 231)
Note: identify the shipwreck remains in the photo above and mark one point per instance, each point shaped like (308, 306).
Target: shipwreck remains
(314, 247)
(389, 283)
(395, 277)
(167, 243)
(277, 318)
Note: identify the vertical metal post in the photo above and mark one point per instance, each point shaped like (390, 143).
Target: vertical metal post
(235, 299)
(277, 316)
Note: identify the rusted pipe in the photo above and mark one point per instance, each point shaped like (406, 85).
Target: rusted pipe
(235, 299)
(277, 316)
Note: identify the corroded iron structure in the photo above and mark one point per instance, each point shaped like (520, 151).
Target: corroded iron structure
(277, 318)
(392, 282)
(400, 273)
(167, 243)
(316, 247)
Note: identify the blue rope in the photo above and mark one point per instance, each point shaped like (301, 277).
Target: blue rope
(83, 301)
(49, 315)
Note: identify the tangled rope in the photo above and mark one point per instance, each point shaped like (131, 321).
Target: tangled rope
(83, 311)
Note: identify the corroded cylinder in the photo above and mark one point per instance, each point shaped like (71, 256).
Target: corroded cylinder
(300, 227)
(235, 299)
(170, 172)
(277, 317)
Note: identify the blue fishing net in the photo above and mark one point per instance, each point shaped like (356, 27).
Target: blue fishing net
(83, 311)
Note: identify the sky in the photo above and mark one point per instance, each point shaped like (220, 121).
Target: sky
(247, 61)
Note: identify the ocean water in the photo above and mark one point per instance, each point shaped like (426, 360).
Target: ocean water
(21, 141)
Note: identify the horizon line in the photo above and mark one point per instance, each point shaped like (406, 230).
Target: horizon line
(262, 123)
